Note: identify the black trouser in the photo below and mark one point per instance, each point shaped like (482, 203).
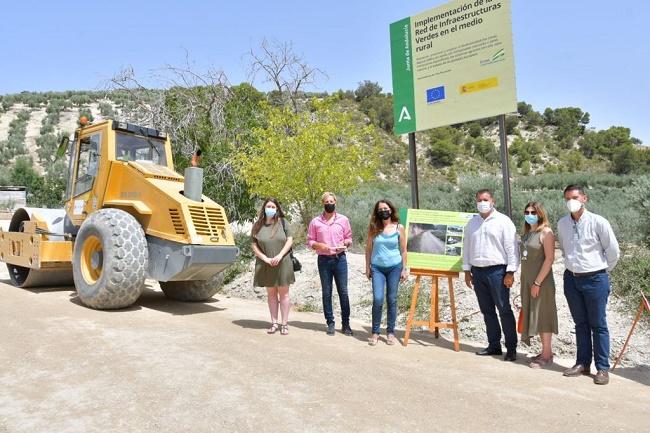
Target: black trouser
(491, 293)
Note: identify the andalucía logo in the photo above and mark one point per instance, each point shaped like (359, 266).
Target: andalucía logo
(435, 94)
(499, 56)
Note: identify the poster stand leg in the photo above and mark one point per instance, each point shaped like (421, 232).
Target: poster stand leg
(645, 305)
(434, 323)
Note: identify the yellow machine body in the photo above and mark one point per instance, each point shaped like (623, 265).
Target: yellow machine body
(123, 166)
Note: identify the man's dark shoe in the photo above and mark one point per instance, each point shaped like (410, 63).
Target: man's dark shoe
(347, 330)
(489, 352)
(576, 370)
(330, 329)
(602, 378)
(511, 355)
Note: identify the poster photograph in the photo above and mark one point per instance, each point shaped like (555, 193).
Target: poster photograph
(434, 238)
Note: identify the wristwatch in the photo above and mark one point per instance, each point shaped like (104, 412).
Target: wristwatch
(510, 273)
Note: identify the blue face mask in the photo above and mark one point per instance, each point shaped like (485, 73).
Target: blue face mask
(269, 212)
(531, 219)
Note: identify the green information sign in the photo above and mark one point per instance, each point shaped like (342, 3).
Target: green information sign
(452, 64)
(434, 238)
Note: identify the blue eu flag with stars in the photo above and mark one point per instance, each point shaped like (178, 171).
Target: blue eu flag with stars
(435, 94)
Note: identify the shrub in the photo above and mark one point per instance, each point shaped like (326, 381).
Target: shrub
(444, 145)
(631, 274)
(511, 124)
(379, 109)
(243, 242)
(474, 130)
(81, 99)
(106, 109)
(482, 149)
(367, 89)
(638, 192)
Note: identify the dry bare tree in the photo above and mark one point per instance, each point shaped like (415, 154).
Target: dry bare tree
(287, 71)
(185, 100)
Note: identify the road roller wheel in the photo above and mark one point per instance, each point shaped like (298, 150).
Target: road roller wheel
(27, 277)
(192, 291)
(110, 260)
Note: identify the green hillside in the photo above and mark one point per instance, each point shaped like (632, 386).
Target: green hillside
(556, 141)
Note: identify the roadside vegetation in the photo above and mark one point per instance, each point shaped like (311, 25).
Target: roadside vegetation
(293, 143)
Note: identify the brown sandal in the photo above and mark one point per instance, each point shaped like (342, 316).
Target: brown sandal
(273, 329)
(284, 329)
(540, 362)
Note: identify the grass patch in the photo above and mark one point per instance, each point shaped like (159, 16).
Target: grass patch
(307, 307)
(423, 306)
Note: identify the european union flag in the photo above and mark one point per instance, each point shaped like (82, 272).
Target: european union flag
(435, 94)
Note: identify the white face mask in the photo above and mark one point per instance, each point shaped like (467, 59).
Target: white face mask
(573, 205)
(484, 206)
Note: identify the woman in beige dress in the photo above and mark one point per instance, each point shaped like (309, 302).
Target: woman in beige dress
(273, 266)
(537, 283)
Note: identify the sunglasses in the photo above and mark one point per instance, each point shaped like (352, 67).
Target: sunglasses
(532, 212)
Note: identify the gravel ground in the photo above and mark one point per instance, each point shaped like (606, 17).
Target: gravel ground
(306, 296)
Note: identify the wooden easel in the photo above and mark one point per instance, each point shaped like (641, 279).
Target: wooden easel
(434, 319)
(645, 305)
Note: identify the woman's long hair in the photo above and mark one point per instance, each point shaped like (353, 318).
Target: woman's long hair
(261, 217)
(542, 219)
(376, 225)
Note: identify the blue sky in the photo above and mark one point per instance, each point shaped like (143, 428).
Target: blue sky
(590, 54)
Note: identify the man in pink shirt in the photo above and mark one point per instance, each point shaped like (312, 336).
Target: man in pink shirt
(330, 235)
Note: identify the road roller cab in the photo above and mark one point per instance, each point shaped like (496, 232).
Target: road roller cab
(127, 215)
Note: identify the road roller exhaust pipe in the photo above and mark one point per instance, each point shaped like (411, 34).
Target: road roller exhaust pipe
(193, 188)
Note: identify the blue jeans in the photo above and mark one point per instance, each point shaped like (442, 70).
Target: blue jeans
(332, 267)
(490, 292)
(385, 278)
(587, 299)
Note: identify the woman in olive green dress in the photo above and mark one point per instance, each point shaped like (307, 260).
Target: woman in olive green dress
(273, 266)
(537, 283)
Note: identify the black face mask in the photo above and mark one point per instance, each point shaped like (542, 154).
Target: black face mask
(329, 207)
(384, 214)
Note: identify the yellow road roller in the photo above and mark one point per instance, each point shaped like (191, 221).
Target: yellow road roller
(127, 216)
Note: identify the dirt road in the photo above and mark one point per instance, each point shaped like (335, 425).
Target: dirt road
(165, 366)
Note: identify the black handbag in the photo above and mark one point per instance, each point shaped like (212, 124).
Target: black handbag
(297, 266)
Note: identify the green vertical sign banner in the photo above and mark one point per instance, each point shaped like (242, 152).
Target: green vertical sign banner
(402, 63)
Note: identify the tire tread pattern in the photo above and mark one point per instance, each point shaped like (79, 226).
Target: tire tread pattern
(126, 260)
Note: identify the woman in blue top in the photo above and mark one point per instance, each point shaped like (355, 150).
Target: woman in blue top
(385, 265)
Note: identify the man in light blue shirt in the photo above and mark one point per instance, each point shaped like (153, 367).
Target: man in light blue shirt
(590, 252)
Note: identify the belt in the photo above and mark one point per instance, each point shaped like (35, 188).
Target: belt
(586, 274)
(337, 255)
(488, 267)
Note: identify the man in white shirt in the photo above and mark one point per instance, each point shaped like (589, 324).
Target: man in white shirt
(590, 252)
(490, 259)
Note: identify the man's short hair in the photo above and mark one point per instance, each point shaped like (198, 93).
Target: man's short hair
(327, 194)
(483, 191)
(578, 188)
